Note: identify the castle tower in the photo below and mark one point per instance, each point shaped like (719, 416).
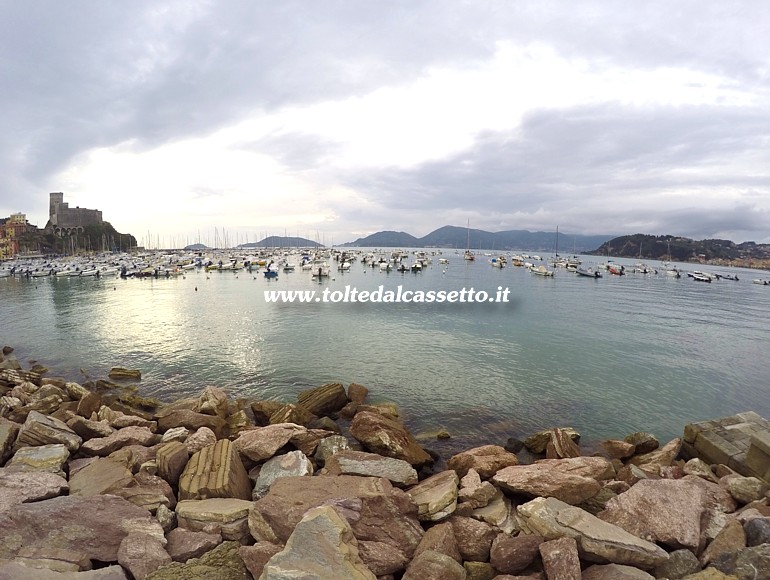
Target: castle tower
(56, 199)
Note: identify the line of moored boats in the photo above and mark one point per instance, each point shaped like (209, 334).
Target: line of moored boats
(317, 262)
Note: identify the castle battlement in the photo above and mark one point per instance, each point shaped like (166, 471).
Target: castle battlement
(64, 219)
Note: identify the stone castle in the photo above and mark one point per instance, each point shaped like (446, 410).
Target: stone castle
(65, 220)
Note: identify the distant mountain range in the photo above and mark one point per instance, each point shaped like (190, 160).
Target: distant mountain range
(462, 238)
(282, 242)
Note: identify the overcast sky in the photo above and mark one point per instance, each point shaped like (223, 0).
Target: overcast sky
(336, 119)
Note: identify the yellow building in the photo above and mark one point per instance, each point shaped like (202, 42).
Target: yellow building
(11, 229)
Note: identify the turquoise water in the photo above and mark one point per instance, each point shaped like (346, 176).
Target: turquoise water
(606, 356)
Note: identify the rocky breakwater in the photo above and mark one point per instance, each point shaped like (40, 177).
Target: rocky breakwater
(96, 484)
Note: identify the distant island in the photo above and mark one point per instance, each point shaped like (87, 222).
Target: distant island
(464, 238)
(680, 249)
(268, 242)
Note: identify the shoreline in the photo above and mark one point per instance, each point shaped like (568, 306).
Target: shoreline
(258, 489)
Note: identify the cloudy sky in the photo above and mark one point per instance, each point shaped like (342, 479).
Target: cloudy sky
(336, 119)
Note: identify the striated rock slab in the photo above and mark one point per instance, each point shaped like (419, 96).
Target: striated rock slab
(351, 462)
(538, 442)
(653, 461)
(88, 429)
(597, 540)
(50, 458)
(100, 476)
(376, 510)
(291, 413)
(121, 438)
(215, 471)
(388, 437)
(436, 496)
(324, 400)
(122, 373)
(485, 460)
(292, 464)
(26, 487)
(39, 429)
(262, 443)
(667, 511)
(225, 516)
(172, 459)
(8, 433)
(561, 445)
(94, 525)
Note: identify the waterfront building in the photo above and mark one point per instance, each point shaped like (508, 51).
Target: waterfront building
(11, 229)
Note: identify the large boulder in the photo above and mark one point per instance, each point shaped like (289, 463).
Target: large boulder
(215, 471)
(39, 429)
(225, 516)
(350, 462)
(597, 540)
(50, 458)
(376, 511)
(324, 400)
(571, 480)
(25, 487)
(388, 437)
(322, 545)
(485, 460)
(666, 511)
(291, 464)
(93, 525)
(436, 496)
(100, 476)
(120, 438)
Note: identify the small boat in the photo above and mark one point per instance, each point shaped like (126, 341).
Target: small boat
(588, 272)
(320, 269)
(616, 269)
(732, 277)
(541, 271)
(700, 277)
(761, 282)
(289, 267)
(271, 274)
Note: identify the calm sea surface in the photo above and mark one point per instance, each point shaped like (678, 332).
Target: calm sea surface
(607, 356)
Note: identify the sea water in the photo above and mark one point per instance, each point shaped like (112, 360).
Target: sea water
(608, 356)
